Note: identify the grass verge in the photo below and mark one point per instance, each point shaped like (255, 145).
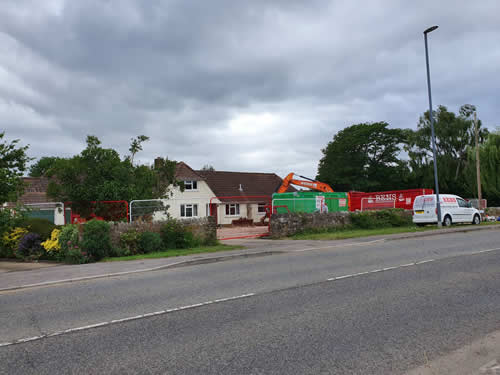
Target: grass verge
(355, 233)
(176, 253)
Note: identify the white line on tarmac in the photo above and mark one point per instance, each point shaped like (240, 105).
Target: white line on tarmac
(162, 312)
(339, 245)
(136, 317)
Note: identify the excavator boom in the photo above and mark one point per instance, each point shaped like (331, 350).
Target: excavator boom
(311, 184)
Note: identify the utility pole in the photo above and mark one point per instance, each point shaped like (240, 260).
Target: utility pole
(478, 169)
(433, 134)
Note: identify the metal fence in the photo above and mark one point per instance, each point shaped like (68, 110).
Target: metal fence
(161, 209)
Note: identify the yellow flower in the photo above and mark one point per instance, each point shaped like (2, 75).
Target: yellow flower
(11, 239)
(52, 244)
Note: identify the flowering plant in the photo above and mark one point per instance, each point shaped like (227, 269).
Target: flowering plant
(11, 239)
(52, 244)
(30, 246)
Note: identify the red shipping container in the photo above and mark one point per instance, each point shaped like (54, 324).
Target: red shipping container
(360, 201)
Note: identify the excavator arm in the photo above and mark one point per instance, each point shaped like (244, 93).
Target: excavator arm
(311, 184)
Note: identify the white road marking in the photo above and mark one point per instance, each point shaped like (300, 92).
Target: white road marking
(161, 312)
(339, 245)
(102, 324)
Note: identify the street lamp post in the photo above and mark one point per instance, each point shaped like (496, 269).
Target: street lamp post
(433, 135)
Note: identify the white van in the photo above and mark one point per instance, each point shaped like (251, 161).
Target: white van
(453, 210)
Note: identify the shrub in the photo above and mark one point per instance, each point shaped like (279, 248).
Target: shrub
(68, 238)
(150, 242)
(30, 247)
(96, 241)
(52, 244)
(11, 241)
(174, 235)
(76, 256)
(41, 226)
(130, 241)
(380, 219)
(119, 252)
(9, 219)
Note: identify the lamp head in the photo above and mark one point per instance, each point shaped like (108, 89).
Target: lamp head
(430, 29)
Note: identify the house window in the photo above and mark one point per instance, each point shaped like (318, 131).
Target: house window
(189, 210)
(190, 185)
(232, 209)
(261, 209)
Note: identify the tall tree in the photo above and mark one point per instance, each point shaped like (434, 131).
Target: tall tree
(13, 162)
(454, 135)
(364, 157)
(42, 166)
(489, 155)
(136, 146)
(98, 174)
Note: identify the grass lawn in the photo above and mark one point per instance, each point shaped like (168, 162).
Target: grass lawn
(176, 253)
(354, 233)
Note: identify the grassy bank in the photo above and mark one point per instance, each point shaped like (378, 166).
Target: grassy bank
(355, 233)
(176, 253)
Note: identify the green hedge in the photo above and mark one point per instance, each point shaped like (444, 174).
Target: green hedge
(380, 219)
(96, 241)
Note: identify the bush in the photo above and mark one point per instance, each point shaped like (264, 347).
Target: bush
(11, 241)
(68, 238)
(52, 246)
(177, 236)
(130, 241)
(173, 235)
(380, 219)
(41, 226)
(30, 247)
(119, 252)
(150, 242)
(9, 219)
(96, 243)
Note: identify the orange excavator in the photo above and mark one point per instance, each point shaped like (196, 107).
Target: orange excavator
(289, 180)
(311, 184)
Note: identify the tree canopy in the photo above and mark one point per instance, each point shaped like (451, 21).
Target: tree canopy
(364, 157)
(42, 166)
(454, 136)
(13, 164)
(489, 156)
(99, 174)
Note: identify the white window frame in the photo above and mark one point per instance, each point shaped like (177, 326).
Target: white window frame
(233, 206)
(191, 185)
(192, 206)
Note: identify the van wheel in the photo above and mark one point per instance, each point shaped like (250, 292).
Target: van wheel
(476, 220)
(447, 221)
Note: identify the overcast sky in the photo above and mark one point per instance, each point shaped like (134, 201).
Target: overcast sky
(241, 85)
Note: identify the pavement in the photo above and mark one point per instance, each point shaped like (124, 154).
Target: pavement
(383, 307)
(37, 274)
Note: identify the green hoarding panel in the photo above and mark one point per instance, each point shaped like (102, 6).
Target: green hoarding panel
(310, 201)
(42, 214)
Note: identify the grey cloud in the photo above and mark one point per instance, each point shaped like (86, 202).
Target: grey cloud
(183, 72)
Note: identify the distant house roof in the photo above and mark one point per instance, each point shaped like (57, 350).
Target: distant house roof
(35, 191)
(242, 184)
(185, 172)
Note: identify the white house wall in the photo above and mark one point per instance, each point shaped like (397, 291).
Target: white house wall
(202, 197)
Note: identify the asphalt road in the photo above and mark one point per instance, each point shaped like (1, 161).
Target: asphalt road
(296, 323)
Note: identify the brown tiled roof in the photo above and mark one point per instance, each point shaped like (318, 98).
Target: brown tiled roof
(35, 191)
(185, 172)
(225, 184)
